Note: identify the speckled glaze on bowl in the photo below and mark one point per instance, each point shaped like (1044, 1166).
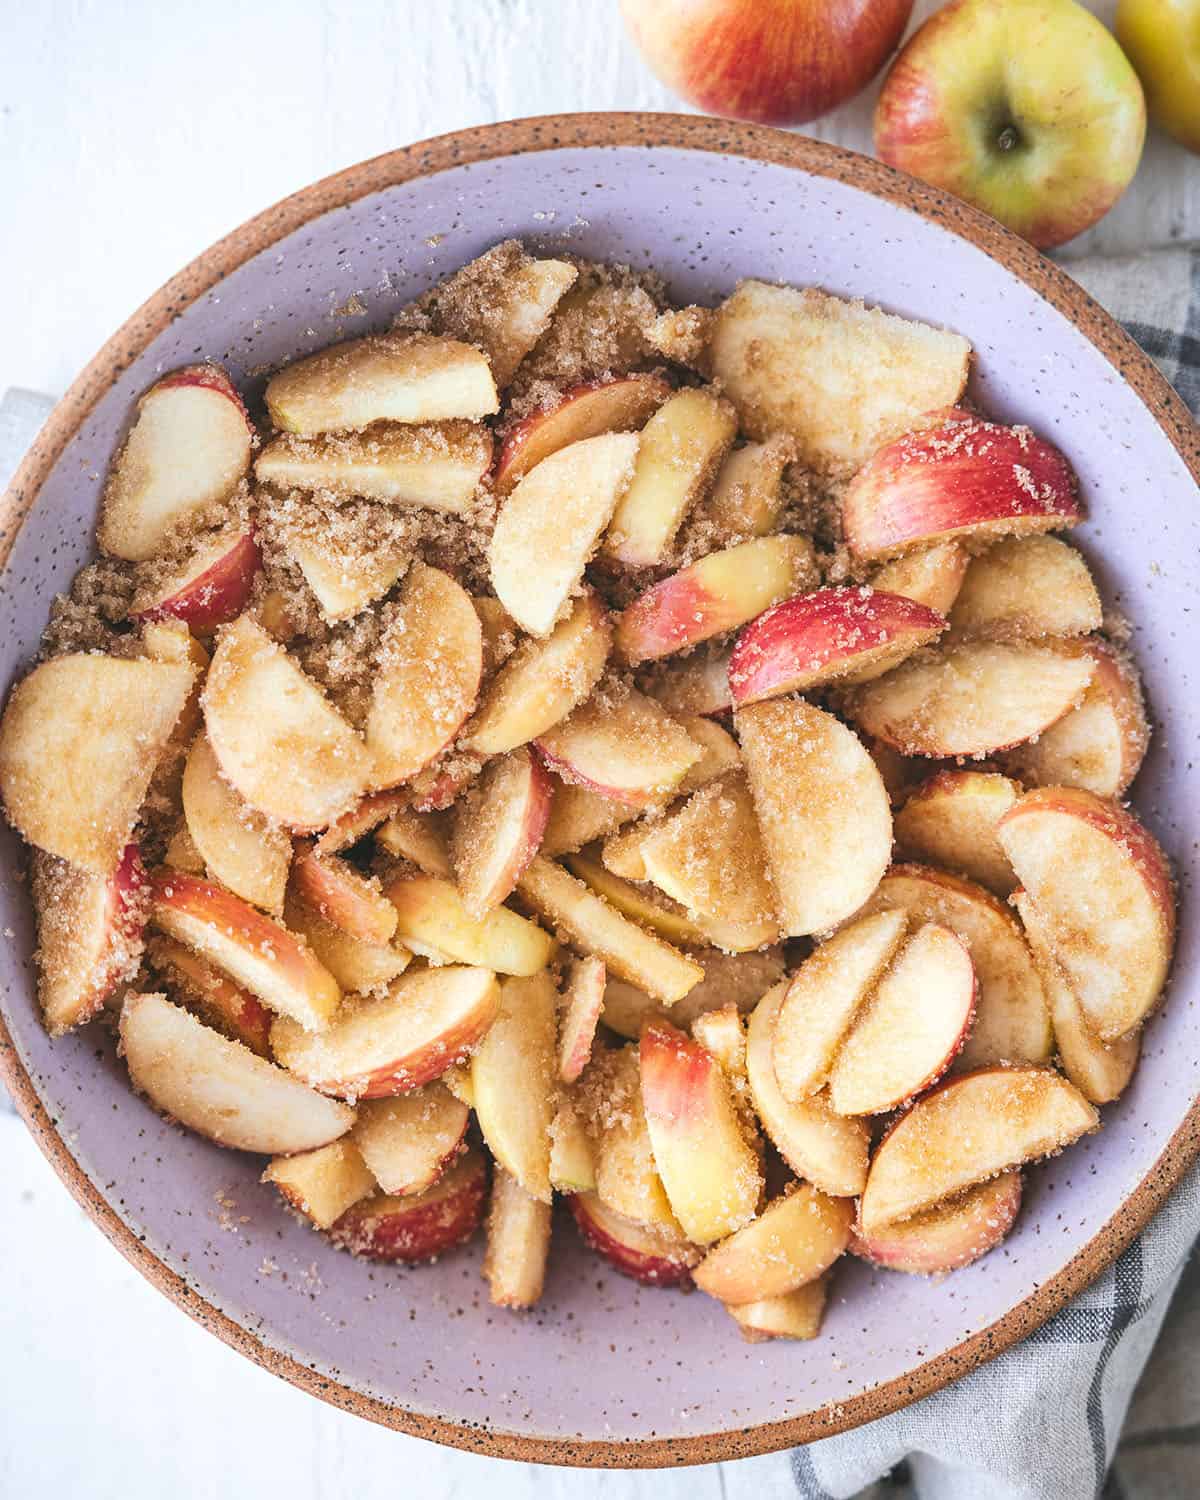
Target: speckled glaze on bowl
(603, 1373)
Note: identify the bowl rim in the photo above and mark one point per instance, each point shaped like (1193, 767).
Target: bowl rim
(427, 158)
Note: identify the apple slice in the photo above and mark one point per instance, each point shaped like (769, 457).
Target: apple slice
(211, 585)
(847, 634)
(498, 828)
(822, 811)
(395, 1042)
(277, 739)
(682, 446)
(932, 575)
(971, 699)
(89, 933)
(827, 1149)
(714, 595)
(324, 1183)
(457, 1079)
(1012, 1023)
(251, 948)
(409, 1142)
(550, 523)
(1103, 886)
(795, 1315)
(211, 995)
(579, 816)
(823, 999)
(572, 1164)
(584, 411)
(681, 335)
(428, 670)
(609, 1099)
(709, 857)
(748, 496)
(219, 1088)
(649, 1253)
(729, 978)
(721, 1032)
(335, 890)
(419, 838)
(188, 447)
(420, 1226)
(80, 739)
(438, 467)
(839, 377)
(708, 1168)
(910, 1029)
(1099, 745)
(579, 1013)
(695, 684)
(439, 785)
(1024, 588)
(624, 746)
(967, 1131)
(963, 478)
(345, 578)
(433, 921)
(948, 1236)
(590, 924)
(518, 1244)
(642, 904)
(239, 847)
(512, 1080)
(1099, 1070)
(364, 818)
(951, 820)
(396, 377)
(793, 1241)
(359, 968)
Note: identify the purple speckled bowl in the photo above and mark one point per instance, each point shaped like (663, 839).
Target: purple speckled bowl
(603, 1372)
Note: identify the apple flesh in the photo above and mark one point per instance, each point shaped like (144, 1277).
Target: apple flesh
(421, 1226)
(419, 838)
(324, 1183)
(579, 1014)
(793, 1241)
(214, 997)
(360, 968)
(512, 1080)
(648, 1253)
(609, 1099)
(748, 496)
(572, 1161)
(628, 748)
(361, 820)
(729, 979)
(336, 891)
(1026, 587)
(948, 1236)
(240, 848)
(795, 1315)
(434, 922)
(498, 828)
(212, 585)
(579, 816)
(408, 1142)
(933, 576)
(518, 1244)
(950, 820)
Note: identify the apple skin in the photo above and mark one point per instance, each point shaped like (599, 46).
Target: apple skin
(777, 62)
(653, 1257)
(1027, 109)
(217, 594)
(1161, 38)
(421, 1226)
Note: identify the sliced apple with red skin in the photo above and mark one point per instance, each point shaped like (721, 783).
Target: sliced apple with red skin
(722, 1033)
(695, 684)
(335, 890)
(709, 1170)
(436, 467)
(967, 1131)
(512, 1080)
(278, 740)
(324, 1183)
(648, 1253)
(951, 819)
(550, 524)
(80, 739)
(427, 675)
(823, 999)
(793, 1241)
(408, 1142)
(609, 1101)
(518, 1244)
(420, 838)
(572, 1163)
(457, 1079)
(433, 921)
(1100, 744)
(748, 495)
(240, 848)
(971, 699)
(964, 478)
(714, 595)
(681, 448)
(257, 952)
(948, 1236)
(1012, 1023)
(213, 996)
(910, 1029)
(498, 828)
(364, 818)
(847, 634)
(592, 926)
(89, 934)
(1103, 886)
(584, 411)
(394, 1043)
(795, 1315)
(1099, 1070)
(579, 1014)
(933, 576)
(219, 1088)
(625, 747)
(211, 586)
(579, 816)
(644, 904)
(822, 812)
(345, 579)
(729, 978)
(188, 447)
(827, 1149)
(1025, 588)
(420, 1226)
(441, 784)
(360, 968)
(394, 377)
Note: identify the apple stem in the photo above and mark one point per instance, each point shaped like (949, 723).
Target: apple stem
(1008, 138)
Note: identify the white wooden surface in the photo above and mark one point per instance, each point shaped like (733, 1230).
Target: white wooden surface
(132, 135)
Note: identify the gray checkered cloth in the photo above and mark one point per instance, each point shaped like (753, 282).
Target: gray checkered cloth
(1042, 1421)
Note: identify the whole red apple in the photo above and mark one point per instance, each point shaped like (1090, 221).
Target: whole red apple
(779, 62)
(1026, 108)
(1162, 40)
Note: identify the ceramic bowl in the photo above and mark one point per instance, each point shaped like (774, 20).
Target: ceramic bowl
(604, 1372)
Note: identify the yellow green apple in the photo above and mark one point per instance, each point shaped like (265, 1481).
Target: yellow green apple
(1162, 40)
